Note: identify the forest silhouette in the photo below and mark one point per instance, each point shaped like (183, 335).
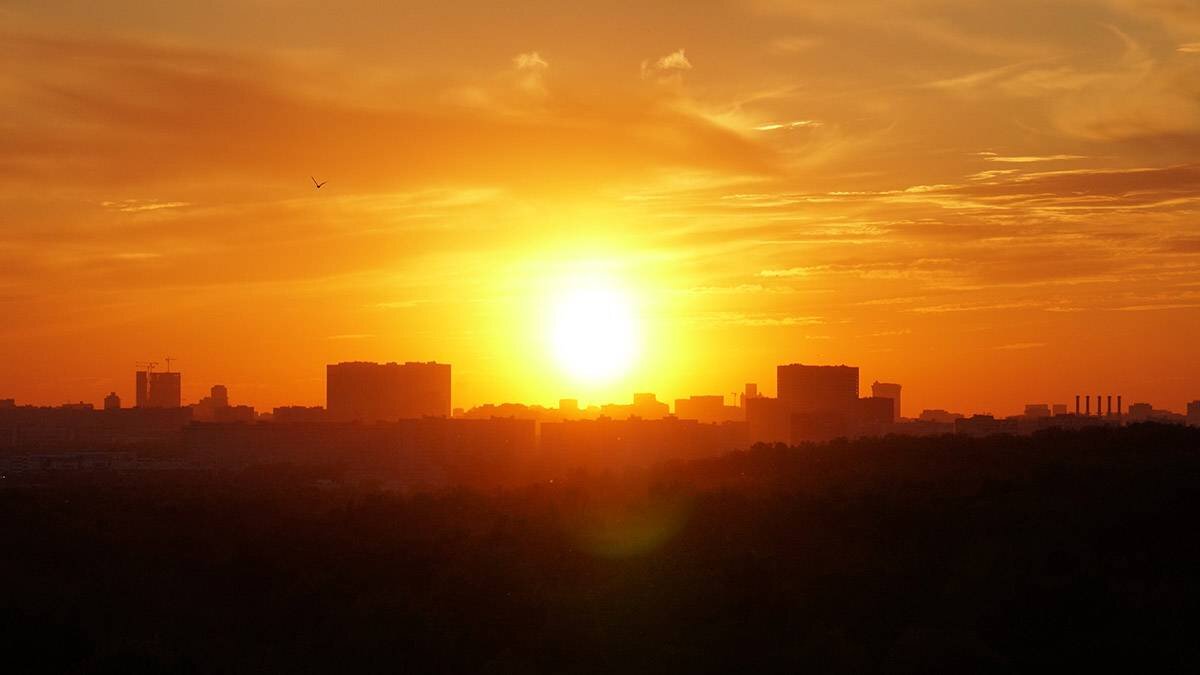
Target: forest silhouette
(1004, 554)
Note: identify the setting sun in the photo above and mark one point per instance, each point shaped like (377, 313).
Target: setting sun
(594, 333)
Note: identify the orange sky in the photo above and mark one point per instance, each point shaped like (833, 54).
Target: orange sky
(989, 202)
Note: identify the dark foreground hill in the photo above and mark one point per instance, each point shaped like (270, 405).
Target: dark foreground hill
(1065, 550)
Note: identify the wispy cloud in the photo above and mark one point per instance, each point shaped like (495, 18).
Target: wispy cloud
(764, 320)
(136, 205)
(792, 271)
(1026, 159)
(1158, 307)
(1019, 346)
(797, 124)
(967, 307)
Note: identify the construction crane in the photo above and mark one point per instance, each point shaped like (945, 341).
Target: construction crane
(148, 367)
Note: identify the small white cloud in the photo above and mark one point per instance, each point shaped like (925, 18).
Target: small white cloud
(530, 61)
(531, 72)
(1190, 48)
(671, 66)
(674, 61)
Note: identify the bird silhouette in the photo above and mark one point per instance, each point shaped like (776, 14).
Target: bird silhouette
(314, 180)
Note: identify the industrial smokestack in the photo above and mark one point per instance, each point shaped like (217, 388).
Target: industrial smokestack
(1118, 405)
(1087, 404)
(1076, 404)
(1099, 412)
(1108, 406)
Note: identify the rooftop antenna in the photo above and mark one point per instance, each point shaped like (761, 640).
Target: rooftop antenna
(168, 359)
(148, 366)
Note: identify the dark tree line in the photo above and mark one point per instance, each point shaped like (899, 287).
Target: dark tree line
(1063, 550)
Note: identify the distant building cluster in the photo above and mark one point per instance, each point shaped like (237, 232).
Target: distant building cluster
(384, 409)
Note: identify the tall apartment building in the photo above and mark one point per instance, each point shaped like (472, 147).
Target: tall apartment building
(373, 392)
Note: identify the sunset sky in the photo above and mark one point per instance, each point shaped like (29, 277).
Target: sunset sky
(991, 203)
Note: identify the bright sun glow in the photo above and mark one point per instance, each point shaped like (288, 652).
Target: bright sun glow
(594, 333)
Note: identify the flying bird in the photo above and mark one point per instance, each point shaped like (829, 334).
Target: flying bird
(314, 180)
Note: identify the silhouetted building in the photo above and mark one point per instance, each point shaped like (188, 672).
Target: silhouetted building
(874, 413)
(888, 390)
(1037, 410)
(157, 390)
(112, 401)
(819, 401)
(818, 389)
(1140, 412)
(750, 392)
(1144, 412)
(1059, 409)
(767, 421)
(939, 416)
(816, 427)
(648, 407)
(871, 416)
(707, 409)
(516, 411)
(1193, 413)
(215, 408)
(77, 427)
(920, 427)
(298, 414)
(984, 425)
(372, 392)
(645, 406)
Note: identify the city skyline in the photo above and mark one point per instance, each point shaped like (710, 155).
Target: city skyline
(370, 391)
(985, 202)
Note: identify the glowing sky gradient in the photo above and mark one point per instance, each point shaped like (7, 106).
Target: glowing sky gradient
(989, 202)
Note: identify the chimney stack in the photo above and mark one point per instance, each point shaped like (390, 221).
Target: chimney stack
(1076, 404)
(1087, 405)
(1108, 406)
(1118, 405)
